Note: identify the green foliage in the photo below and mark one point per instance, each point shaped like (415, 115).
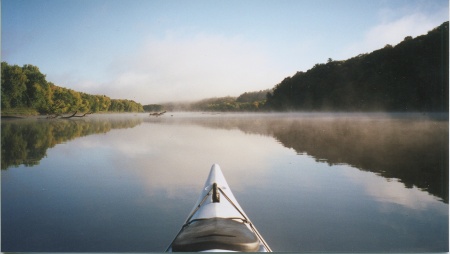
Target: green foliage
(37, 93)
(412, 76)
(253, 96)
(26, 87)
(14, 86)
(228, 104)
(247, 102)
(153, 108)
(117, 105)
(19, 112)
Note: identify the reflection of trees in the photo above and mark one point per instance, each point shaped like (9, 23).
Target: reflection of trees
(26, 141)
(415, 151)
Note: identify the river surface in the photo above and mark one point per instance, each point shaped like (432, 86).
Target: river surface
(309, 182)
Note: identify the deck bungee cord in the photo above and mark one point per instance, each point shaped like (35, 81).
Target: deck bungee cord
(218, 225)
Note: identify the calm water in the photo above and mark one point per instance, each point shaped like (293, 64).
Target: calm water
(309, 182)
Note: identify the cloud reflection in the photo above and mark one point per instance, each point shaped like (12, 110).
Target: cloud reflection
(174, 156)
(338, 200)
(176, 159)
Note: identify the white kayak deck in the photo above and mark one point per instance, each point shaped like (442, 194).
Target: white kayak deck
(217, 222)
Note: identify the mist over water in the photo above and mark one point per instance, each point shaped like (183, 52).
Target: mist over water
(309, 182)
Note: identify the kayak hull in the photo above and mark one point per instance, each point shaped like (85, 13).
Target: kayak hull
(217, 222)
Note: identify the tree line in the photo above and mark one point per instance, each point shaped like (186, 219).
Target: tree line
(248, 101)
(412, 76)
(26, 87)
(245, 102)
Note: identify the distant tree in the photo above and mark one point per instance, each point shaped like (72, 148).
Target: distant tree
(253, 96)
(153, 108)
(13, 87)
(408, 38)
(27, 87)
(38, 93)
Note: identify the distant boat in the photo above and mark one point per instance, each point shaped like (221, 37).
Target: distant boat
(217, 222)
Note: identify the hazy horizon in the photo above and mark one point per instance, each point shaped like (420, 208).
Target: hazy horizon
(170, 51)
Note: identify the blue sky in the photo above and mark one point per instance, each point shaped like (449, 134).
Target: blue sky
(157, 51)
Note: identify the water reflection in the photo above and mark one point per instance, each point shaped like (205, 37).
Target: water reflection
(172, 158)
(25, 142)
(130, 188)
(411, 148)
(408, 147)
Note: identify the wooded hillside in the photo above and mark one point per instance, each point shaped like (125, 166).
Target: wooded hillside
(412, 76)
(26, 87)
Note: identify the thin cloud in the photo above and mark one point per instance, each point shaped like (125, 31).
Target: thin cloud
(393, 31)
(189, 68)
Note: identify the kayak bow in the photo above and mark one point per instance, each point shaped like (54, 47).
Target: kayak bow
(217, 222)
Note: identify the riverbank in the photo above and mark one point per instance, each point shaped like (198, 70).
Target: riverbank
(19, 113)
